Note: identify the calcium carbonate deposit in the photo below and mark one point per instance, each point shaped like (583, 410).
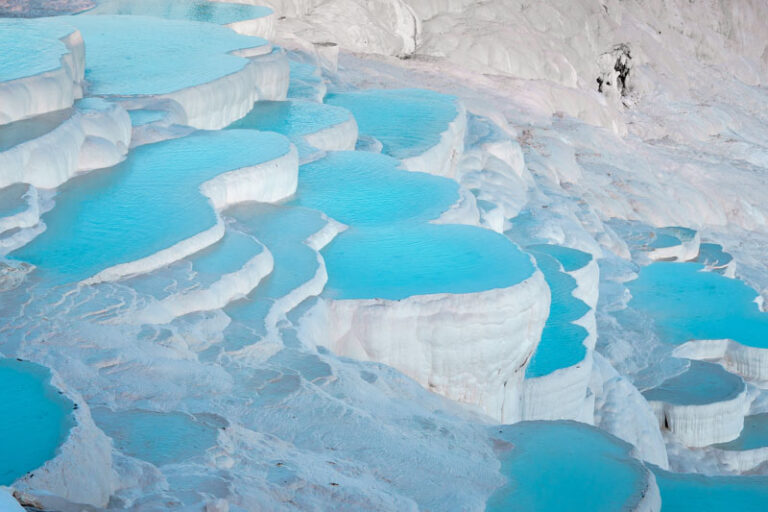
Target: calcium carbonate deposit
(383, 255)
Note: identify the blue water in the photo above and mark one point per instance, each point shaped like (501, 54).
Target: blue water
(35, 421)
(713, 255)
(702, 383)
(562, 342)
(147, 203)
(305, 82)
(684, 492)
(398, 261)
(158, 438)
(12, 199)
(221, 13)
(30, 47)
(406, 121)
(283, 229)
(228, 255)
(753, 436)
(294, 119)
(570, 259)
(134, 55)
(565, 466)
(360, 188)
(662, 241)
(688, 303)
(141, 117)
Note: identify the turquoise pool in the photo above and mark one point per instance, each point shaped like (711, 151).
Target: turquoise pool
(398, 261)
(222, 13)
(37, 419)
(141, 55)
(359, 188)
(683, 492)
(147, 203)
(406, 121)
(688, 303)
(30, 47)
(754, 435)
(565, 465)
(703, 383)
(562, 342)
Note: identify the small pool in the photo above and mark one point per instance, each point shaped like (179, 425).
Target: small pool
(564, 465)
(36, 419)
(294, 119)
(147, 203)
(398, 261)
(753, 436)
(702, 383)
(156, 437)
(222, 13)
(687, 303)
(360, 188)
(562, 341)
(713, 256)
(570, 259)
(406, 121)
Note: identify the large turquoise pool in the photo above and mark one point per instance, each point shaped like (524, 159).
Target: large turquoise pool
(147, 203)
(398, 261)
(141, 55)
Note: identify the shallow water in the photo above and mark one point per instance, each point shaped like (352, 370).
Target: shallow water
(134, 55)
(562, 342)
(395, 262)
(37, 419)
(147, 203)
(360, 188)
(141, 117)
(158, 438)
(283, 230)
(688, 303)
(702, 383)
(564, 465)
(292, 118)
(221, 13)
(406, 121)
(754, 435)
(681, 492)
(12, 199)
(30, 47)
(570, 259)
